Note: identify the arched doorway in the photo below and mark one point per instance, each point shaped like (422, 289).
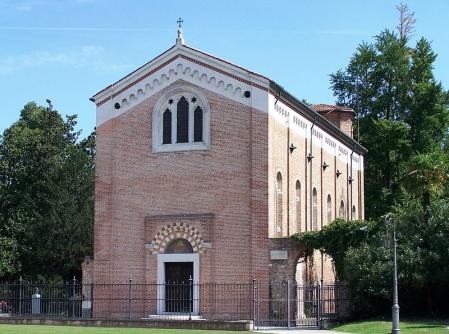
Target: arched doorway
(305, 292)
(301, 280)
(178, 274)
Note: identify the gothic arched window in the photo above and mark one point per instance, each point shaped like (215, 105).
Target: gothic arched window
(314, 210)
(279, 205)
(181, 121)
(166, 127)
(198, 124)
(329, 209)
(298, 206)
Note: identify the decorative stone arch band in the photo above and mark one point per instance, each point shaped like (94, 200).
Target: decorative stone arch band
(177, 230)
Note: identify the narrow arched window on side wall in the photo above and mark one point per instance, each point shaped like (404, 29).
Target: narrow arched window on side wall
(298, 206)
(198, 124)
(182, 121)
(279, 202)
(166, 127)
(354, 217)
(314, 210)
(329, 209)
(341, 211)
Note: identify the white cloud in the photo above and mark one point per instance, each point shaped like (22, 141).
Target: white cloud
(28, 5)
(89, 56)
(21, 5)
(99, 29)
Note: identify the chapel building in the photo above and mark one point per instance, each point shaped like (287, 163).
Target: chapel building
(204, 169)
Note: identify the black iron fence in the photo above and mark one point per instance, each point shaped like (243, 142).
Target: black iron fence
(268, 305)
(290, 305)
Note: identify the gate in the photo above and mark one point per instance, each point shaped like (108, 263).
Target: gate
(289, 305)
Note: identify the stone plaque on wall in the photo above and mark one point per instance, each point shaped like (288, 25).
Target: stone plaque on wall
(278, 254)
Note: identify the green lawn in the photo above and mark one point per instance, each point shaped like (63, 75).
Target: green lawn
(38, 329)
(384, 327)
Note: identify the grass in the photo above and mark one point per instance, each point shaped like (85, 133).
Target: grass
(384, 327)
(40, 329)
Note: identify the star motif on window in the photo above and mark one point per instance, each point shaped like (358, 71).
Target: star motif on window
(170, 101)
(193, 99)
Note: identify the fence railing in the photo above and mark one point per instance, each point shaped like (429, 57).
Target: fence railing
(268, 305)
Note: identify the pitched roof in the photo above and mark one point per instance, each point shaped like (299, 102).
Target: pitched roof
(237, 72)
(182, 49)
(325, 108)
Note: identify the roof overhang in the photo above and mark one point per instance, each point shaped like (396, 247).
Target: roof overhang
(313, 116)
(183, 51)
(231, 70)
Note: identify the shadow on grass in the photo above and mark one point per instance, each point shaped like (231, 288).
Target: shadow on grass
(426, 326)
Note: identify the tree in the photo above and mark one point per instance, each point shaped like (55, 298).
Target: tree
(402, 110)
(48, 190)
(362, 257)
(403, 120)
(8, 256)
(406, 21)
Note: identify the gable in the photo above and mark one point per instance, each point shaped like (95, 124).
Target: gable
(182, 63)
(190, 65)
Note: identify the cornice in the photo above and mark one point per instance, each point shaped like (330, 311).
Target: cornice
(288, 99)
(180, 51)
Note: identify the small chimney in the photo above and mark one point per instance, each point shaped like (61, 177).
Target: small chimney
(339, 116)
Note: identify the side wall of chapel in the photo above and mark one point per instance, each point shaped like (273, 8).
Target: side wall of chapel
(299, 179)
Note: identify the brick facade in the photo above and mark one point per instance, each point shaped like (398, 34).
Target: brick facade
(223, 189)
(223, 200)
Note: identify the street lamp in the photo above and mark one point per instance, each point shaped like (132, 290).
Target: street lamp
(395, 308)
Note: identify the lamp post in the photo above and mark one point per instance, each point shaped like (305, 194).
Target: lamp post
(395, 308)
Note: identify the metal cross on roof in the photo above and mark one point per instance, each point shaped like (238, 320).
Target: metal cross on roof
(179, 22)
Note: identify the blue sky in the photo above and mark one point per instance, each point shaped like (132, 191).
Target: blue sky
(67, 50)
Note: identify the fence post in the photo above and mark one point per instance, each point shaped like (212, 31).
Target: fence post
(322, 305)
(73, 296)
(318, 304)
(254, 302)
(129, 297)
(190, 297)
(92, 299)
(258, 302)
(288, 303)
(20, 295)
(337, 298)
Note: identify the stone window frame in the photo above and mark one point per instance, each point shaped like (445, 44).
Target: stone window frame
(162, 104)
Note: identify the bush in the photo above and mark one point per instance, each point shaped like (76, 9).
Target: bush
(362, 257)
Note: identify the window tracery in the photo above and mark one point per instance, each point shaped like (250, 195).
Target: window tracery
(181, 121)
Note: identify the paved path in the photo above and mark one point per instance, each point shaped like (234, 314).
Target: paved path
(296, 331)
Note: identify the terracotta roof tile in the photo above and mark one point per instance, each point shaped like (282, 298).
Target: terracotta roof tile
(325, 108)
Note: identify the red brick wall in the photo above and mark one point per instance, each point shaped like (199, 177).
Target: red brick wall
(229, 180)
(342, 120)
